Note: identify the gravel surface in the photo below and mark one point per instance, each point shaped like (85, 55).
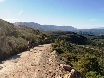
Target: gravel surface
(39, 62)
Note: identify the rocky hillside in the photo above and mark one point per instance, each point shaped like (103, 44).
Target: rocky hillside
(73, 51)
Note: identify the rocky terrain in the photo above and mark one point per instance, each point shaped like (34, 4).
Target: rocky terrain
(39, 62)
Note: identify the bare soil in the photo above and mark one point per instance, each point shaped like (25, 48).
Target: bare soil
(39, 62)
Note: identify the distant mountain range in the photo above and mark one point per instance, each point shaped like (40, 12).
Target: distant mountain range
(45, 27)
(98, 28)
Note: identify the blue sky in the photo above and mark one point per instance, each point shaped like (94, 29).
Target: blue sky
(81, 14)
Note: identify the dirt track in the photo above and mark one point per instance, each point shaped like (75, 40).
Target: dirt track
(39, 62)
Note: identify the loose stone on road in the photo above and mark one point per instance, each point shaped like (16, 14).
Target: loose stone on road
(39, 62)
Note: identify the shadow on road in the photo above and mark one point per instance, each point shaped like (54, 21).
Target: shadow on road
(11, 58)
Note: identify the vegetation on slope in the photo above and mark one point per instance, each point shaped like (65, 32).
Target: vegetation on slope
(86, 60)
(83, 52)
(70, 37)
(13, 39)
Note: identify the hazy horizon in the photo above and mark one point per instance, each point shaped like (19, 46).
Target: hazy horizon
(81, 14)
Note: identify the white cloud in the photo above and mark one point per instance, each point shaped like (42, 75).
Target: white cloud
(2, 0)
(93, 19)
(20, 12)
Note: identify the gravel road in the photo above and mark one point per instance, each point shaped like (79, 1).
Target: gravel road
(39, 62)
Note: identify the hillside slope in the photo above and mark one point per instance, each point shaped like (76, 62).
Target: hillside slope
(13, 39)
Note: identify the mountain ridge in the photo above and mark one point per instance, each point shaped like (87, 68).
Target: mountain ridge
(45, 27)
(98, 28)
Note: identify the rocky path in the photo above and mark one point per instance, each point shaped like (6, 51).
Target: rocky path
(39, 62)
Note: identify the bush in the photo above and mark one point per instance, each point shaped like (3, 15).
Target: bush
(83, 59)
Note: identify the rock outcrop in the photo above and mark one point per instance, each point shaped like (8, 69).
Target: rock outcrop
(71, 72)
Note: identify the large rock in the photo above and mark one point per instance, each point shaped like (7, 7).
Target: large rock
(72, 72)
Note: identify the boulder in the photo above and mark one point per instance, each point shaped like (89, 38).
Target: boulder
(72, 73)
